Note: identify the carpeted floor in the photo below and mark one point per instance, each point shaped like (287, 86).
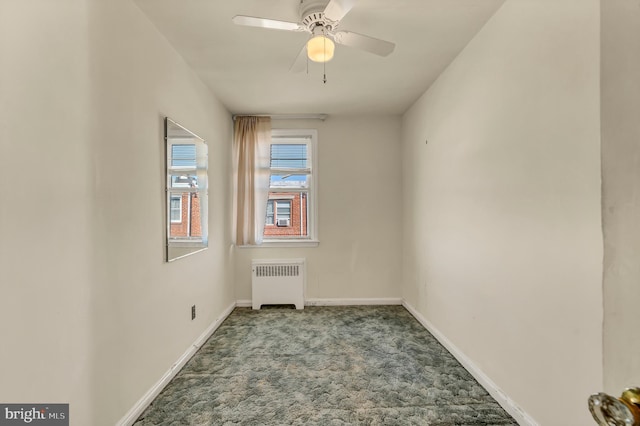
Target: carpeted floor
(361, 365)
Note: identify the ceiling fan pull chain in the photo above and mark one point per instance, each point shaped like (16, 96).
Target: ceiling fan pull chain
(324, 64)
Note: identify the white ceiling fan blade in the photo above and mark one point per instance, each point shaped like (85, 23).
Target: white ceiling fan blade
(359, 41)
(336, 9)
(271, 24)
(300, 64)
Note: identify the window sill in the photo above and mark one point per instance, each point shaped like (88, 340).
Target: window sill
(283, 244)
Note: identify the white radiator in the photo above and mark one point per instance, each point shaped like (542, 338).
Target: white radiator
(277, 282)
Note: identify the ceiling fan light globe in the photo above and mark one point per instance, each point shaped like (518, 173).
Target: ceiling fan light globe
(320, 49)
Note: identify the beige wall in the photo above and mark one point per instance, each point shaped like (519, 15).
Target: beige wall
(502, 241)
(46, 261)
(621, 191)
(94, 315)
(359, 200)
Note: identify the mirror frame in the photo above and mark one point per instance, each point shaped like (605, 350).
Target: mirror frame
(190, 180)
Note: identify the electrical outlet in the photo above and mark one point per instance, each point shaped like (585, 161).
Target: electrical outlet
(193, 312)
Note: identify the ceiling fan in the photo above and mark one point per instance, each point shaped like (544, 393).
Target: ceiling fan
(321, 18)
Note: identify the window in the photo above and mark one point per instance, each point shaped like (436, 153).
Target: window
(283, 212)
(270, 216)
(183, 156)
(176, 208)
(291, 209)
(280, 215)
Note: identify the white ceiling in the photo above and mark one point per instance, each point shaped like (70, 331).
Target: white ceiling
(248, 68)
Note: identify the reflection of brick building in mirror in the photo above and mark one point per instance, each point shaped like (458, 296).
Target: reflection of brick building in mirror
(286, 215)
(185, 215)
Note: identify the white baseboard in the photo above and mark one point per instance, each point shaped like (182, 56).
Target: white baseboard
(155, 390)
(498, 394)
(352, 302)
(336, 302)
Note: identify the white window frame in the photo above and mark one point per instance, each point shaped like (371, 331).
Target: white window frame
(171, 198)
(310, 137)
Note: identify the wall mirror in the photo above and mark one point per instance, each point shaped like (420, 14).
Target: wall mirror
(186, 188)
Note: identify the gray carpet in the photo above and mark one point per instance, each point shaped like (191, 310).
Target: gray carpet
(360, 365)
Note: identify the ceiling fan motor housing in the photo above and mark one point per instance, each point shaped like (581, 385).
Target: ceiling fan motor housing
(312, 15)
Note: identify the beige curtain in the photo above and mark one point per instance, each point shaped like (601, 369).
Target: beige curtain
(251, 144)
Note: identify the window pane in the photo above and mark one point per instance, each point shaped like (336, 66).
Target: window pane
(183, 155)
(176, 208)
(184, 181)
(269, 220)
(289, 156)
(291, 215)
(186, 221)
(289, 180)
(283, 209)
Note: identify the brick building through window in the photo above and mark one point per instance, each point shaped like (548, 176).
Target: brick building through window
(185, 215)
(287, 215)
